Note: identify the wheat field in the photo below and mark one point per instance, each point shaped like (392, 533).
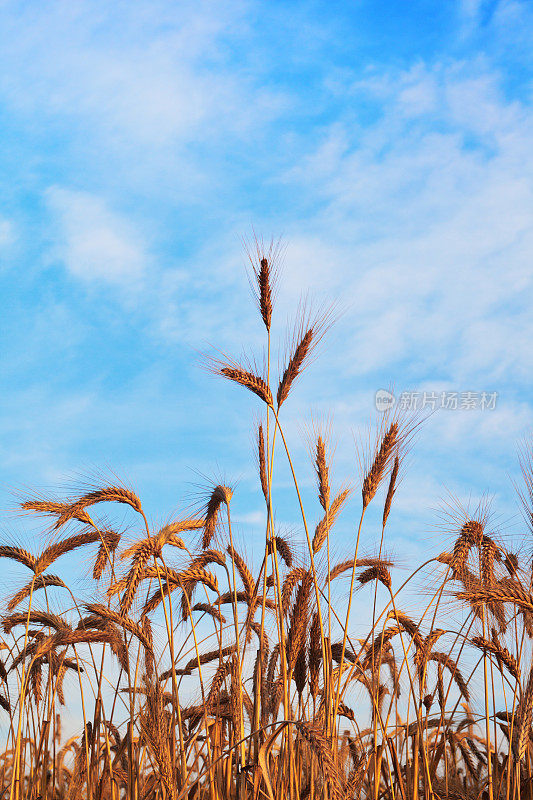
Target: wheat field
(197, 675)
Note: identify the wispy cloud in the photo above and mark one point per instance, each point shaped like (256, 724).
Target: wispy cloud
(93, 242)
(7, 232)
(426, 222)
(147, 75)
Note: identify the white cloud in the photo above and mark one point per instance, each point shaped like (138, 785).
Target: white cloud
(469, 12)
(148, 74)
(7, 232)
(425, 227)
(93, 242)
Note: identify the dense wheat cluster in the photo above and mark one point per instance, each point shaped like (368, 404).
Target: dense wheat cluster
(196, 674)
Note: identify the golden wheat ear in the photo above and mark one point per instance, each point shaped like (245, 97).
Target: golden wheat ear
(39, 582)
(379, 573)
(391, 490)
(344, 566)
(289, 585)
(283, 549)
(299, 620)
(265, 262)
(122, 621)
(20, 555)
(76, 508)
(55, 509)
(320, 745)
(522, 727)
(327, 522)
(384, 452)
(64, 546)
(34, 617)
(246, 373)
(261, 458)
(525, 492)
(255, 383)
(322, 473)
(134, 576)
(308, 331)
(219, 495)
(109, 541)
(502, 654)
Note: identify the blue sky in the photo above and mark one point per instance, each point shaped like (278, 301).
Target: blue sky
(390, 143)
